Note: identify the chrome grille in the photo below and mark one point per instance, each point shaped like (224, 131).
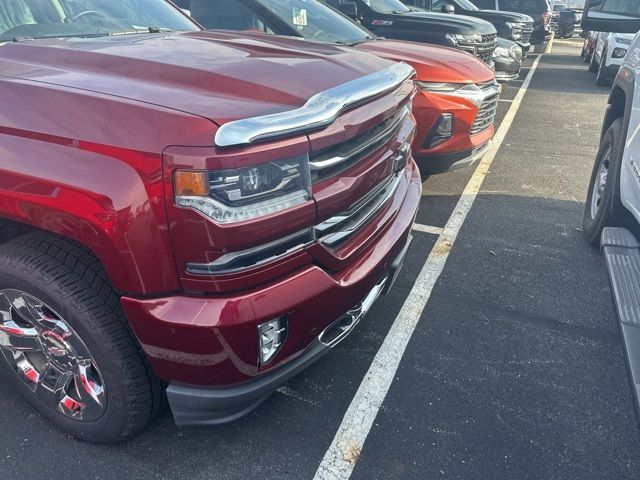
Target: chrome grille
(483, 50)
(522, 32)
(487, 110)
(338, 229)
(332, 160)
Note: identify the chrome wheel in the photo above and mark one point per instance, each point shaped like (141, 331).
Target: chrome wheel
(600, 183)
(49, 357)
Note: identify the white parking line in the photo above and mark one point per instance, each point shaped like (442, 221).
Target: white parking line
(341, 457)
(427, 229)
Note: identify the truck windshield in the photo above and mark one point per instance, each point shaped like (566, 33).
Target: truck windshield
(316, 21)
(87, 18)
(387, 6)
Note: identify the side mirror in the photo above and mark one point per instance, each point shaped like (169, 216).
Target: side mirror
(448, 8)
(611, 16)
(350, 9)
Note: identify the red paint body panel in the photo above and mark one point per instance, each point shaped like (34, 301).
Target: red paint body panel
(212, 340)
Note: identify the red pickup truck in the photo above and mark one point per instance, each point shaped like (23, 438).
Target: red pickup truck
(187, 213)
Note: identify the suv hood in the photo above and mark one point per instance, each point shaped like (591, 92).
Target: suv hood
(221, 76)
(432, 63)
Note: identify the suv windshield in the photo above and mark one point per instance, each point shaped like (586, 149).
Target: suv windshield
(83, 18)
(317, 21)
(387, 6)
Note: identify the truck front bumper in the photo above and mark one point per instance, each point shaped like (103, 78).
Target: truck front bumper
(206, 347)
(194, 405)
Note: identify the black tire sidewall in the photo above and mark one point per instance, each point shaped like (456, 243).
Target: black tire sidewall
(21, 275)
(611, 212)
(601, 76)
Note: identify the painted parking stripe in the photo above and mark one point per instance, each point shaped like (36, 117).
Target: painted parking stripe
(343, 453)
(427, 229)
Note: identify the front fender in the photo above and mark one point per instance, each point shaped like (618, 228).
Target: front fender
(98, 200)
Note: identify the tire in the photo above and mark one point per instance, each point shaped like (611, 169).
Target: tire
(606, 209)
(593, 66)
(601, 78)
(71, 286)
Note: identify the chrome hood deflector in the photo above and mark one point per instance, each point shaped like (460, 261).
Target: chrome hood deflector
(320, 110)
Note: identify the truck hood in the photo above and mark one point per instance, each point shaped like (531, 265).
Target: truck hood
(221, 76)
(432, 63)
(441, 22)
(500, 16)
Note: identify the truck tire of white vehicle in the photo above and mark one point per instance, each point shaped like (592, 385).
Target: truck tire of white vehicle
(604, 207)
(66, 345)
(602, 80)
(593, 65)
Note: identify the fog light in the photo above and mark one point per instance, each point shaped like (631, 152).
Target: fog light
(442, 131)
(272, 335)
(619, 52)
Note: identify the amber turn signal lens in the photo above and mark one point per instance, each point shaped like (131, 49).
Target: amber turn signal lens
(188, 183)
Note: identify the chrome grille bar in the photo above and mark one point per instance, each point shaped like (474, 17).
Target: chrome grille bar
(361, 144)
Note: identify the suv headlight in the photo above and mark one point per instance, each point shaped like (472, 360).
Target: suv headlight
(501, 52)
(456, 38)
(470, 91)
(238, 194)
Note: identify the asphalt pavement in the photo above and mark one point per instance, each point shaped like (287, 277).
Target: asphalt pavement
(515, 369)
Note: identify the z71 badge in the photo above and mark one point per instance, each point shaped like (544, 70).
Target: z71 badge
(382, 22)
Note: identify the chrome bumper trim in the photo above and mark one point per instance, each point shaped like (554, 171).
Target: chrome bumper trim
(320, 110)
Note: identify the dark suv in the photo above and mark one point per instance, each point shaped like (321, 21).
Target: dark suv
(510, 25)
(393, 19)
(539, 10)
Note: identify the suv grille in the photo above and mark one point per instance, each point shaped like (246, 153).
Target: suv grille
(522, 32)
(487, 111)
(483, 50)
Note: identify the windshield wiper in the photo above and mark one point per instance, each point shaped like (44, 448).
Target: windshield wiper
(139, 31)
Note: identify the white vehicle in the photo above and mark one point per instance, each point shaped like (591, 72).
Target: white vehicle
(612, 210)
(608, 55)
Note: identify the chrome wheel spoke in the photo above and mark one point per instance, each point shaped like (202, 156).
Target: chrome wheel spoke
(18, 338)
(600, 184)
(88, 385)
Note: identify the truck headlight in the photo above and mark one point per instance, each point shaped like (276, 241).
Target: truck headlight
(238, 194)
(457, 38)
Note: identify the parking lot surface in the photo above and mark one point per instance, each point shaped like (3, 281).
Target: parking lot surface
(515, 368)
